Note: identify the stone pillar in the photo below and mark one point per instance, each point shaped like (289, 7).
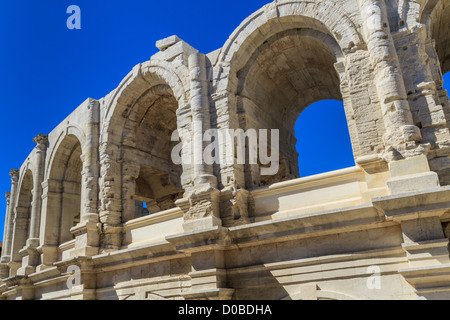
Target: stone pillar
(202, 206)
(130, 173)
(9, 227)
(403, 139)
(200, 118)
(30, 254)
(421, 87)
(87, 231)
(110, 205)
(10, 236)
(424, 85)
(50, 223)
(401, 133)
(423, 82)
(4, 271)
(41, 148)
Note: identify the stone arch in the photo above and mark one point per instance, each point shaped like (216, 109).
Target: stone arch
(134, 85)
(63, 188)
(280, 29)
(73, 130)
(22, 213)
(280, 16)
(139, 121)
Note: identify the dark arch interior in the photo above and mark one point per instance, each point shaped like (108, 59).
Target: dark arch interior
(151, 123)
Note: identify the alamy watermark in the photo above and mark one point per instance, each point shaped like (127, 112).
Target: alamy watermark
(74, 20)
(374, 281)
(228, 147)
(74, 279)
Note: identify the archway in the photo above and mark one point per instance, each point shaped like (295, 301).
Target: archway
(141, 124)
(152, 121)
(63, 211)
(287, 73)
(22, 216)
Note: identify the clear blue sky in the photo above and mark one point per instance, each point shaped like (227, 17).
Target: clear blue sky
(48, 70)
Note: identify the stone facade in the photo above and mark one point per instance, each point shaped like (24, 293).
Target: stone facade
(78, 223)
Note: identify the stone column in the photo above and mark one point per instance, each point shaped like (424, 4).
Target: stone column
(4, 271)
(401, 133)
(9, 227)
(130, 172)
(110, 204)
(41, 148)
(87, 231)
(202, 207)
(50, 223)
(423, 81)
(200, 118)
(9, 237)
(30, 254)
(403, 139)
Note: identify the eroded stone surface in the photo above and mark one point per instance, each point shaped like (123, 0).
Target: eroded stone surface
(102, 193)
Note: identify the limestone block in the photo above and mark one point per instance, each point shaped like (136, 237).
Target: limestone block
(413, 182)
(144, 228)
(163, 44)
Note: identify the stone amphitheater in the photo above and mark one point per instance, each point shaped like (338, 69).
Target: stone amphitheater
(99, 209)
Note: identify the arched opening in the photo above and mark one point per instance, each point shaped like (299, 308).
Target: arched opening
(152, 182)
(332, 133)
(65, 189)
(22, 215)
(289, 72)
(440, 32)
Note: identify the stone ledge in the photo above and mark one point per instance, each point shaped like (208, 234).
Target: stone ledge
(200, 240)
(153, 219)
(214, 294)
(124, 255)
(414, 205)
(427, 277)
(331, 221)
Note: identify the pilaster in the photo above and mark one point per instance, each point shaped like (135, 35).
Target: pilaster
(10, 219)
(4, 271)
(110, 202)
(30, 253)
(87, 231)
(201, 206)
(402, 135)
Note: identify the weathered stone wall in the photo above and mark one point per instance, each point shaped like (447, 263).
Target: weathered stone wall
(102, 192)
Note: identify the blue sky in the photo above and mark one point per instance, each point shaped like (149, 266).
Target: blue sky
(48, 70)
